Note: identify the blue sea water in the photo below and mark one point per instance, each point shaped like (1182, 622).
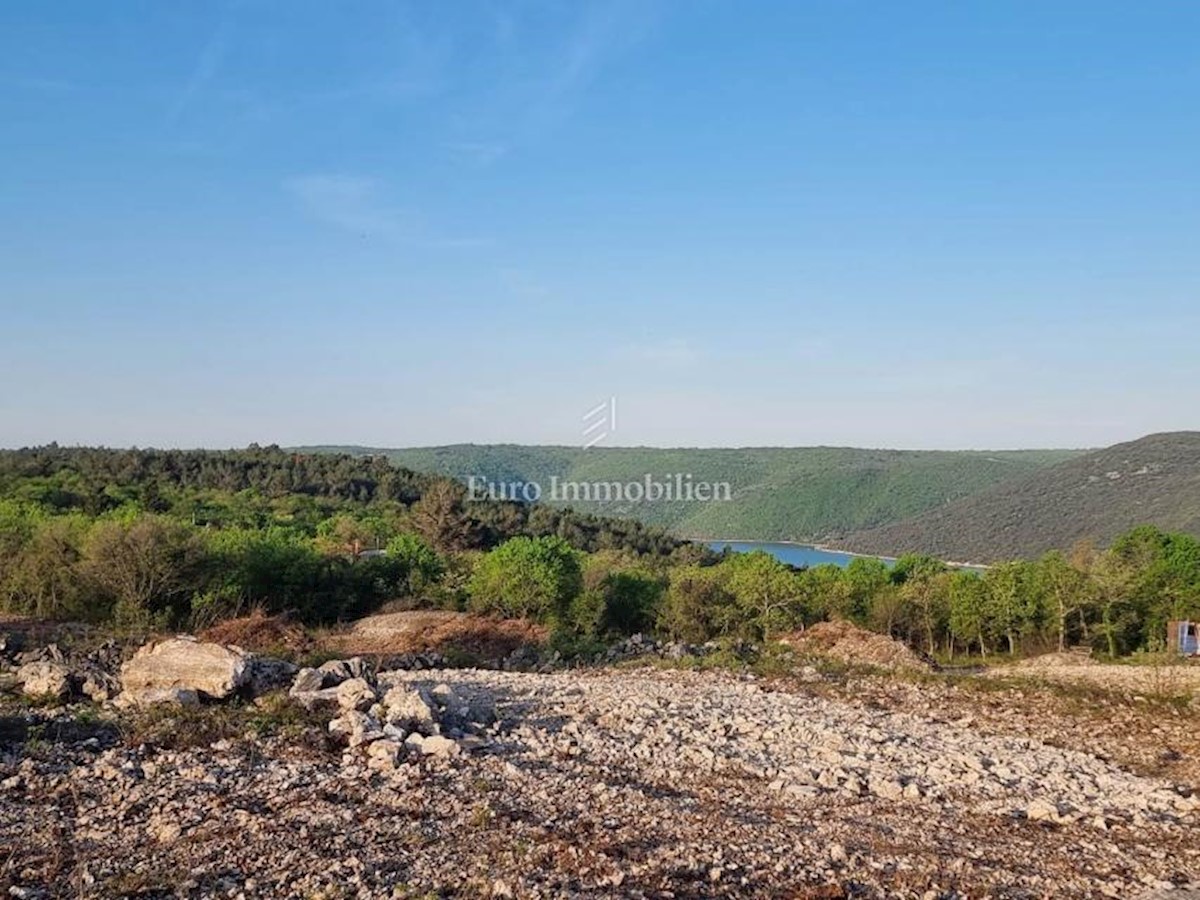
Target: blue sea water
(804, 554)
(793, 554)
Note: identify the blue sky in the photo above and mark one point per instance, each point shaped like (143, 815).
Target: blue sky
(885, 224)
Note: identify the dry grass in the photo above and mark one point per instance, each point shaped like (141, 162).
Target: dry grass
(845, 642)
(420, 631)
(277, 635)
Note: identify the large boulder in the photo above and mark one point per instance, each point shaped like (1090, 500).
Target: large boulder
(408, 710)
(356, 728)
(45, 678)
(335, 671)
(432, 745)
(384, 755)
(307, 681)
(184, 664)
(355, 693)
(307, 690)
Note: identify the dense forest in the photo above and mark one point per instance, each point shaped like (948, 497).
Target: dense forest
(155, 539)
(148, 537)
(779, 493)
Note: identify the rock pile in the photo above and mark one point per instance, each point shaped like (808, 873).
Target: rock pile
(640, 645)
(1074, 657)
(847, 643)
(51, 672)
(181, 670)
(396, 715)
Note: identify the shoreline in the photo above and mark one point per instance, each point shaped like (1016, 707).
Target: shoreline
(825, 548)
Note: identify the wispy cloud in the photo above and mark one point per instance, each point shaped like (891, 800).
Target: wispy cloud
(480, 153)
(668, 353)
(358, 204)
(603, 31)
(536, 86)
(209, 63)
(349, 202)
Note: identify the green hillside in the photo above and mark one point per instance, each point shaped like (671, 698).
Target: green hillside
(1094, 497)
(799, 494)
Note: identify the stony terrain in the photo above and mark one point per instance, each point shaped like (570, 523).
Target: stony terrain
(1181, 678)
(613, 782)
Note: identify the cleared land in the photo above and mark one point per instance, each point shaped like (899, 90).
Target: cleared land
(634, 780)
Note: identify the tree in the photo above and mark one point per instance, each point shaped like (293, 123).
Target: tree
(927, 596)
(532, 577)
(45, 579)
(865, 577)
(631, 600)
(923, 592)
(968, 609)
(439, 517)
(148, 566)
(913, 566)
(1011, 603)
(826, 591)
(767, 592)
(273, 567)
(418, 566)
(347, 535)
(697, 606)
(1065, 589)
(1145, 578)
(887, 609)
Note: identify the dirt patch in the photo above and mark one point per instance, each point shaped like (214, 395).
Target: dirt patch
(420, 631)
(277, 635)
(847, 643)
(1058, 660)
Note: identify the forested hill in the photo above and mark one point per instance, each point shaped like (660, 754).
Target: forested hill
(1095, 497)
(267, 487)
(95, 479)
(802, 494)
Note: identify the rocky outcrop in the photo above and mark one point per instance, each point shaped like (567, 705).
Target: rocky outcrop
(45, 678)
(98, 685)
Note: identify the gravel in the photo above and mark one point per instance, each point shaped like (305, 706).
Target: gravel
(617, 782)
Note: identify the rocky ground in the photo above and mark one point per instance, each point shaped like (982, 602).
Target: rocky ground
(1146, 679)
(620, 782)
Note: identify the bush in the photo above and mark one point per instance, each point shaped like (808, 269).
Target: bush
(535, 578)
